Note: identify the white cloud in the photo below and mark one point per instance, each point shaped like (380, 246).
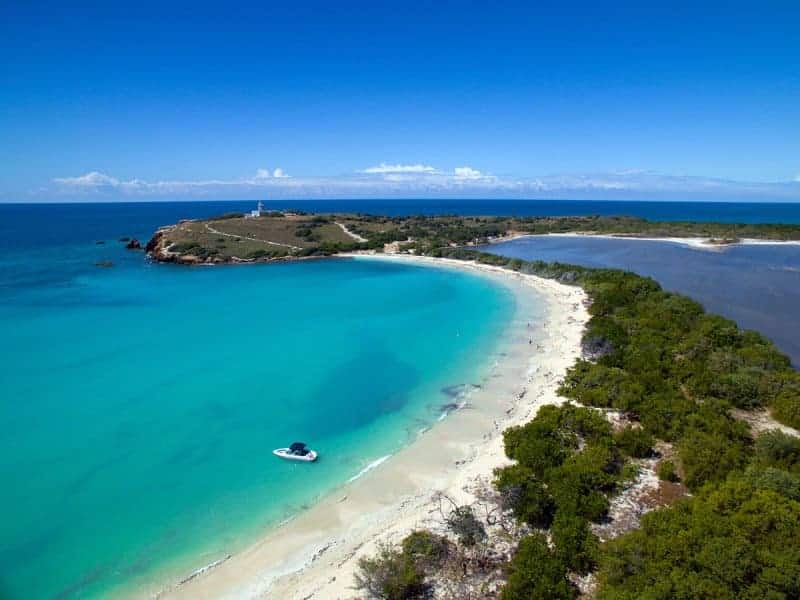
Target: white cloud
(385, 168)
(467, 173)
(421, 181)
(89, 180)
(265, 174)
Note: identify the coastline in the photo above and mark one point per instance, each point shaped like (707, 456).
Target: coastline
(315, 554)
(697, 243)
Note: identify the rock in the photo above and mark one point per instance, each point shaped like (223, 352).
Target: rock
(124, 238)
(133, 244)
(99, 242)
(104, 263)
(155, 242)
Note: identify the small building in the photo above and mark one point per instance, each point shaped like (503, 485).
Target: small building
(257, 212)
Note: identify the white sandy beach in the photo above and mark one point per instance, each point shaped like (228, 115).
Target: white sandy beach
(315, 554)
(697, 243)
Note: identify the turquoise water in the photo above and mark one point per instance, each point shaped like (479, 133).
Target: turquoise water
(140, 402)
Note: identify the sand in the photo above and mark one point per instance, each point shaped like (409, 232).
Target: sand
(696, 243)
(315, 555)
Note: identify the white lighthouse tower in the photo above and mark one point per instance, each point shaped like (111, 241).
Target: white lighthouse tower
(257, 212)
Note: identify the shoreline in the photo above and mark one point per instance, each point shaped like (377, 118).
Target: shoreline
(696, 243)
(314, 555)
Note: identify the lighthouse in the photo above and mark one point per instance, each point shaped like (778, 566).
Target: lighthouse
(257, 212)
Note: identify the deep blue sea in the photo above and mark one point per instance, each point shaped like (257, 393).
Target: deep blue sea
(100, 220)
(139, 403)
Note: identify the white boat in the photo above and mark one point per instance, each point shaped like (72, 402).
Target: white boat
(296, 451)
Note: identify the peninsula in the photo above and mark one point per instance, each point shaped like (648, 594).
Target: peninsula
(274, 235)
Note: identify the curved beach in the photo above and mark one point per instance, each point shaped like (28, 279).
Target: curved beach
(315, 554)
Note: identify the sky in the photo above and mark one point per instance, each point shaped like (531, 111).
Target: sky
(192, 100)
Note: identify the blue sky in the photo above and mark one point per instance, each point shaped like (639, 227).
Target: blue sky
(641, 100)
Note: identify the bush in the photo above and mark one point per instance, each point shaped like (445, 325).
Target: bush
(575, 544)
(775, 480)
(536, 574)
(260, 253)
(463, 522)
(709, 457)
(629, 472)
(786, 409)
(525, 496)
(667, 471)
(578, 485)
(391, 575)
(732, 542)
(425, 548)
(634, 442)
(777, 449)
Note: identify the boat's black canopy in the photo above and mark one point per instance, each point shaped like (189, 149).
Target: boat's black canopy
(297, 446)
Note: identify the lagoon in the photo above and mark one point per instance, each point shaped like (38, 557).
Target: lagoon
(757, 286)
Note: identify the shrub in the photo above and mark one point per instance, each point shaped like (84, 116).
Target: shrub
(391, 575)
(463, 522)
(634, 442)
(578, 485)
(778, 449)
(525, 495)
(667, 471)
(786, 408)
(536, 574)
(775, 480)
(629, 472)
(709, 457)
(260, 253)
(426, 548)
(734, 541)
(575, 544)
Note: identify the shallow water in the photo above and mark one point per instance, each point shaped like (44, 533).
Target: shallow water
(141, 402)
(757, 286)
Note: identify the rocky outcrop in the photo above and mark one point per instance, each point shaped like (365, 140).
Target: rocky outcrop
(133, 244)
(158, 249)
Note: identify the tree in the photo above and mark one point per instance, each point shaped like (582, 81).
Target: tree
(525, 495)
(575, 544)
(736, 541)
(536, 574)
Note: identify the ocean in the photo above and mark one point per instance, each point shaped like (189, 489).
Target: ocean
(140, 402)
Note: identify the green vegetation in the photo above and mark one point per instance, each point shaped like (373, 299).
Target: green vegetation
(536, 572)
(634, 442)
(391, 575)
(733, 541)
(667, 471)
(679, 374)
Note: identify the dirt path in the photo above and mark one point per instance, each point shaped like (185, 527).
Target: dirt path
(217, 232)
(355, 236)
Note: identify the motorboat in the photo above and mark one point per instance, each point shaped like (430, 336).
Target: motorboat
(297, 451)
